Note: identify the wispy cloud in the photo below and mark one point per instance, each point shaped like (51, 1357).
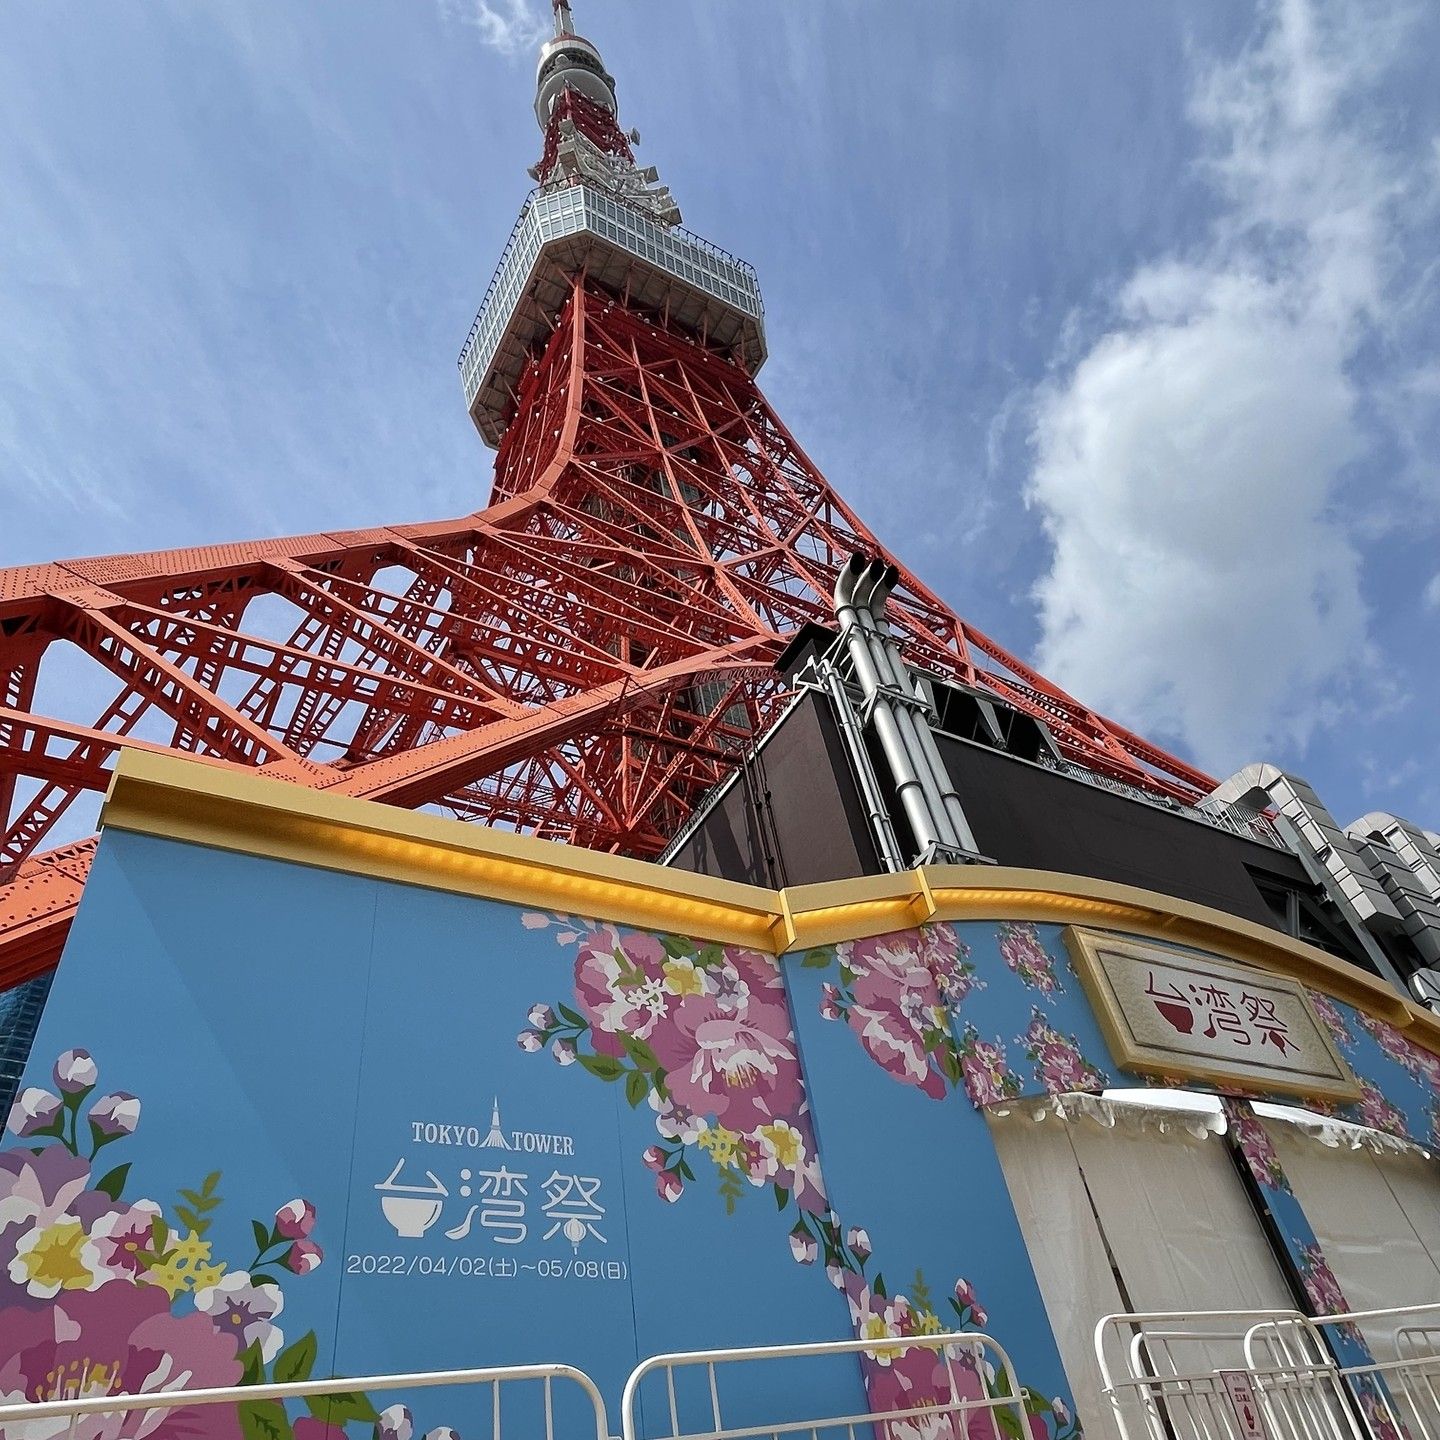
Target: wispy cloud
(1190, 466)
(513, 27)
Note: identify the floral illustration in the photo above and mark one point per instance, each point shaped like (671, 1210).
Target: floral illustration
(984, 1071)
(910, 1377)
(1255, 1144)
(1389, 1039)
(1022, 951)
(104, 1294)
(1333, 1018)
(894, 992)
(1378, 1113)
(1319, 1280)
(1059, 1065)
(701, 1034)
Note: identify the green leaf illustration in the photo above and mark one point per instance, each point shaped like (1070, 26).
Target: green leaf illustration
(677, 947)
(264, 1420)
(573, 1017)
(782, 1197)
(607, 1067)
(637, 1087)
(817, 959)
(710, 955)
(640, 1052)
(262, 1237)
(920, 1292)
(210, 1182)
(731, 1189)
(113, 1182)
(252, 1366)
(342, 1409)
(191, 1220)
(295, 1362)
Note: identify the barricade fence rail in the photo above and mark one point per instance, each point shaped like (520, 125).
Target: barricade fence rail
(18, 1421)
(1273, 1374)
(946, 1386)
(960, 1385)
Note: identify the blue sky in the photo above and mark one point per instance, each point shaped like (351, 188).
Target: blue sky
(1117, 321)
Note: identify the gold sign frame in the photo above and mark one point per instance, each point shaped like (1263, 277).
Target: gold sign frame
(1333, 1079)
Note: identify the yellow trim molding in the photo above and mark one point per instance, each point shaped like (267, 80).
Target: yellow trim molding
(180, 799)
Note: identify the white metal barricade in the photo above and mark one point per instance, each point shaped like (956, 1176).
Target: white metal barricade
(37, 1420)
(1198, 1376)
(979, 1387)
(1398, 1391)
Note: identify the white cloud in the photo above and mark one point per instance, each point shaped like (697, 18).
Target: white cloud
(1204, 584)
(513, 27)
(1432, 592)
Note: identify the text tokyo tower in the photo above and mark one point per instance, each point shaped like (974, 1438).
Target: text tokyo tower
(584, 659)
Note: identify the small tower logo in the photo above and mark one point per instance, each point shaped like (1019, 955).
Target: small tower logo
(495, 1140)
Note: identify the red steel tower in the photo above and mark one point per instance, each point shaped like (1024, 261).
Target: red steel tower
(582, 660)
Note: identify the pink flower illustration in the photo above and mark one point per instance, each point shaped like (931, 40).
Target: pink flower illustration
(1378, 1415)
(1320, 1283)
(114, 1116)
(295, 1219)
(75, 1072)
(123, 1235)
(119, 1339)
(1389, 1039)
(1021, 949)
(619, 988)
(241, 1308)
(1059, 1065)
(47, 1214)
(35, 1111)
(947, 957)
(1378, 1113)
(1256, 1147)
(984, 1071)
(739, 1067)
(1333, 1018)
(303, 1257)
(895, 1007)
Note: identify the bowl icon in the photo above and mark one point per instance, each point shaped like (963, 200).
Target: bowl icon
(411, 1215)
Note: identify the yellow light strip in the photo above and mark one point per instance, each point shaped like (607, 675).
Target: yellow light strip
(181, 799)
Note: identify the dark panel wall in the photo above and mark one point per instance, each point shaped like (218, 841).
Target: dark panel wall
(798, 821)
(1021, 814)
(1025, 815)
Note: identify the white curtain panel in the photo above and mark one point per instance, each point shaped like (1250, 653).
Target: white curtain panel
(1179, 1227)
(1376, 1216)
(1066, 1251)
(1179, 1222)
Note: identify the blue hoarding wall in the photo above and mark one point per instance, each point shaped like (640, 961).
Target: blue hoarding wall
(280, 1122)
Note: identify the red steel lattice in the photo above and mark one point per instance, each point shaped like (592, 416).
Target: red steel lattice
(584, 660)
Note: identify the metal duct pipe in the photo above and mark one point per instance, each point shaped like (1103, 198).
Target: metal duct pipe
(908, 784)
(876, 810)
(926, 752)
(876, 582)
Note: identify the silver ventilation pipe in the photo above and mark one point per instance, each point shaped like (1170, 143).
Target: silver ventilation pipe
(879, 710)
(891, 705)
(913, 722)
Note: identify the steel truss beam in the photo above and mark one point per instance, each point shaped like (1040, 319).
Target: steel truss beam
(585, 660)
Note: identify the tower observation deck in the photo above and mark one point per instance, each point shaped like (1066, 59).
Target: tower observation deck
(585, 659)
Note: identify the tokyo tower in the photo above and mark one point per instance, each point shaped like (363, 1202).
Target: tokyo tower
(582, 660)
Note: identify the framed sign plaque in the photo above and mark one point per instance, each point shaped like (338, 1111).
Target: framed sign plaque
(1178, 1013)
